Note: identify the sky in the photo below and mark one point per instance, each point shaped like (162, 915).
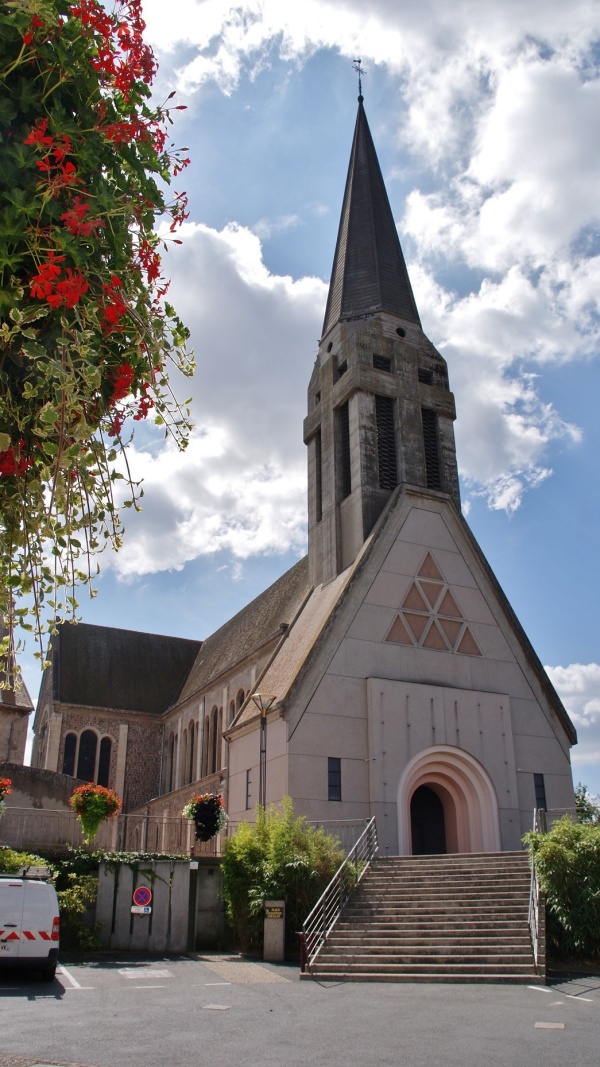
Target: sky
(486, 119)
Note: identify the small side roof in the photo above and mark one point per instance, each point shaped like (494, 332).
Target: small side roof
(102, 666)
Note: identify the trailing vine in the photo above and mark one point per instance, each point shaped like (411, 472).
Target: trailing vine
(86, 332)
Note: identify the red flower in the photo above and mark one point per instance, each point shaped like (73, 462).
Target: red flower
(123, 382)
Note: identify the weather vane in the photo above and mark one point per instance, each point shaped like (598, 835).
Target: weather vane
(357, 66)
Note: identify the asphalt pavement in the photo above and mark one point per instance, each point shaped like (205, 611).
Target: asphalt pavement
(209, 1010)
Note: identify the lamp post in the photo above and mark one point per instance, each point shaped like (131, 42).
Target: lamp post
(263, 702)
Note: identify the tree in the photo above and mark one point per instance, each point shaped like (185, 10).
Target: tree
(280, 857)
(86, 334)
(587, 805)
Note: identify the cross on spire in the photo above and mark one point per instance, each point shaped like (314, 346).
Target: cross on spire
(357, 66)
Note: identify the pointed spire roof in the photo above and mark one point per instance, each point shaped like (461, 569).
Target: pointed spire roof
(369, 273)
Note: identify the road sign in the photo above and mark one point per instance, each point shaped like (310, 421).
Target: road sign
(138, 909)
(142, 896)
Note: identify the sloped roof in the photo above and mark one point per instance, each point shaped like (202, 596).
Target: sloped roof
(369, 273)
(101, 666)
(297, 656)
(250, 628)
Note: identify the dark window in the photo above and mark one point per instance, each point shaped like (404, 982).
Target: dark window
(104, 761)
(248, 790)
(215, 740)
(69, 756)
(86, 764)
(342, 368)
(344, 439)
(191, 735)
(540, 791)
(318, 477)
(386, 442)
(334, 778)
(381, 362)
(431, 447)
(425, 376)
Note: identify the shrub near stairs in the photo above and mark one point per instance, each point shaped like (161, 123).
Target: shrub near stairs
(567, 863)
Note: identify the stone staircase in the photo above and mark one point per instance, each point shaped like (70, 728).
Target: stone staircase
(456, 918)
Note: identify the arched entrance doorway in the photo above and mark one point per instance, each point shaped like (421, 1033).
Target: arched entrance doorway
(446, 798)
(427, 822)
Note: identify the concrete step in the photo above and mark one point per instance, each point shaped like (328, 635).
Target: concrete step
(451, 977)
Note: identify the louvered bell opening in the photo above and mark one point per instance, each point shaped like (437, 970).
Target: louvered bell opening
(386, 442)
(344, 451)
(431, 448)
(382, 363)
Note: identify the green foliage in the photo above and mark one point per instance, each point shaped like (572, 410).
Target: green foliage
(588, 806)
(279, 858)
(74, 900)
(86, 335)
(567, 863)
(11, 861)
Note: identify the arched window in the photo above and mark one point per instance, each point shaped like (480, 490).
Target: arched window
(192, 751)
(231, 710)
(104, 761)
(86, 764)
(69, 755)
(184, 761)
(240, 698)
(214, 720)
(170, 762)
(205, 746)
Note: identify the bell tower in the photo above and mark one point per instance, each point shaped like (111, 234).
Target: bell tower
(380, 411)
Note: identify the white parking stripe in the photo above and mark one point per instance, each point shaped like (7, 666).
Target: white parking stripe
(75, 984)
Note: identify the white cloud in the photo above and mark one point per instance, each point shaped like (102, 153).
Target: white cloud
(578, 686)
(241, 483)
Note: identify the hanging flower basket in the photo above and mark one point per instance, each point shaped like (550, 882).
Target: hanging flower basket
(5, 784)
(93, 804)
(208, 813)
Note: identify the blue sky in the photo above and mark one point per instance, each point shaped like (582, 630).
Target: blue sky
(486, 119)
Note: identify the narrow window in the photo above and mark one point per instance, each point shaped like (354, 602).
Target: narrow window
(214, 739)
(386, 442)
(86, 764)
(382, 363)
(69, 756)
(425, 376)
(344, 451)
(431, 448)
(334, 778)
(342, 368)
(248, 790)
(192, 752)
(104, 761)
(171, 758)
(318, 477)
(540, 791)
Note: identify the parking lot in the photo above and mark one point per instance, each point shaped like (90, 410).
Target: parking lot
(209, 1009)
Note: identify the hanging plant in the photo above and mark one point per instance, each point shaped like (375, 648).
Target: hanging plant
(208, 813)
(5, 784)
(86, 334)
(93, 804)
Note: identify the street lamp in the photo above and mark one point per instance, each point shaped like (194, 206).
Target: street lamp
(263, 702)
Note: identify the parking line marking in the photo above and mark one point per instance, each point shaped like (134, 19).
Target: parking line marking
(550, 1026)
(573, 996)
(74, 983)
(148, 987)
(216, 1007)
(217, 983)
(539, 988)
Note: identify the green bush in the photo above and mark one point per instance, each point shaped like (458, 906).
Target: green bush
(567, 863)
(281, 857)
(11, 861)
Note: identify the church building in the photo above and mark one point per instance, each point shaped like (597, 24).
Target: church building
(385, 673)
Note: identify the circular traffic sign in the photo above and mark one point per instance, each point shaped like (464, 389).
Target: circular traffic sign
(142, 896)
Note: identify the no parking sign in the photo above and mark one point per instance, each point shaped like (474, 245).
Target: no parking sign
(141, 900)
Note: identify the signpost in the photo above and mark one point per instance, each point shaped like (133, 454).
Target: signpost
(141, 900)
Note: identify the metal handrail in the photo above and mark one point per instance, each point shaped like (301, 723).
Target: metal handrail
(537, 906)
(318, 924)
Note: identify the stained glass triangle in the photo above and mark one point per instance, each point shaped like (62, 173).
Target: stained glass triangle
(435, 638)
(449, 606)
(451, 628)
(414, 600)
(398, 634)
(416, 624)
(468, 645)
(430, 569)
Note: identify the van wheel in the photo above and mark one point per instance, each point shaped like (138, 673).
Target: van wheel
(49, 973)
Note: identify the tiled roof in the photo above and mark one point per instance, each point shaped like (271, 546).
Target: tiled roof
(369, 273)
(99, 666)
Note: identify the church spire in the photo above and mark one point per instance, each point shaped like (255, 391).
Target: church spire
(380, 412)
(369, 273)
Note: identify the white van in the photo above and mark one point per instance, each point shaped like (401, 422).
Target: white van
(29, 922)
